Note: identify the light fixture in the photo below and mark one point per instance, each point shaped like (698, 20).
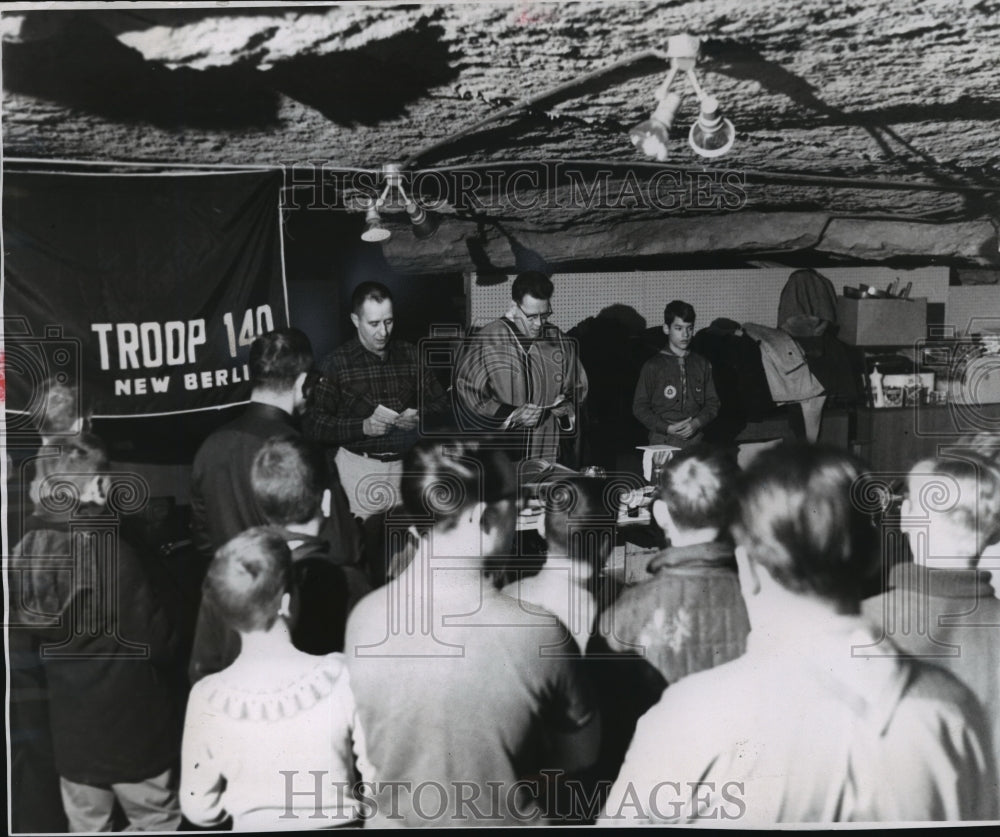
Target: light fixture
(375, 232)
(710, 136)
(651, 136)
(424, 223)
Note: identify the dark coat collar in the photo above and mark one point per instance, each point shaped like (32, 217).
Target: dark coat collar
(711, 555)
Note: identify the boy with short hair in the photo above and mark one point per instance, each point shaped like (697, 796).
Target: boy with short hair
(687, 613)
(675, 397)
(578, 528)
(942, 607)
(289, 481)
(82, 603)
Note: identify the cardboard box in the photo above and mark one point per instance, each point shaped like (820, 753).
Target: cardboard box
(882, 322)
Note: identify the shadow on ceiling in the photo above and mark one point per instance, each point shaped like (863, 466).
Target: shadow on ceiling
(745, 63)
(371, 84)
(81, 65)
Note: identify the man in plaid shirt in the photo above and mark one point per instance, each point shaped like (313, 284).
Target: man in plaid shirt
(367, 404)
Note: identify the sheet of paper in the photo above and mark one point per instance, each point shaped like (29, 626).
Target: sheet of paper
(406, 420)
(383, 413)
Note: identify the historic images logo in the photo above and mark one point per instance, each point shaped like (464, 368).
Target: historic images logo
(544, 185)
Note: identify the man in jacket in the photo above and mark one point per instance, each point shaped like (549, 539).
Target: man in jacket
(222, 501)
(942, 607)
(82, 603)
(521, 377)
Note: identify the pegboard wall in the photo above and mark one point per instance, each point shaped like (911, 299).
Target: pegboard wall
(747, 296)
(973, 308)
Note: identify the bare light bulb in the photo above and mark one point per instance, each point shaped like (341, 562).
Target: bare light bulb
(424, 224)
(652, 135)
(711, 135)
(375, 232)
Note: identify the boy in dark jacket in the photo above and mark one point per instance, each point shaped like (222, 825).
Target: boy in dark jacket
(291, 489)
(675, 397)
(82, 603)
(687, 612)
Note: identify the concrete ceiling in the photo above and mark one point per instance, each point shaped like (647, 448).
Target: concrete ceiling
(866, 131)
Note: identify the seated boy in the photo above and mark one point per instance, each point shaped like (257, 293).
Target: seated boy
(686, 613)
(82, 603)
(942, 606)
(675, 397)
(290, 487)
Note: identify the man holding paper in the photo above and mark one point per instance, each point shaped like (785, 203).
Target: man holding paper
(368, 401)
(521, 375)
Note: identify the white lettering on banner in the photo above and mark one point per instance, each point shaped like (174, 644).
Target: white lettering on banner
(128, 346)
(265, 323)
(173, 333)
(211, 378)
(102, 330)
(137, 386)
(147, 345)
(152, 345)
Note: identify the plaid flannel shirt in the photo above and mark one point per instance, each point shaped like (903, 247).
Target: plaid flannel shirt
(355, 381)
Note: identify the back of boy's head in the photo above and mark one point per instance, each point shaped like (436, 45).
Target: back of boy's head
(288, 477)
(963, 492)
(680, 310)
(802, 518)
(82, 459)
(278, 358)
(62, 411)
(698, 486)
(247, 578)
(985, 444)
(443, 478)
(579, 519)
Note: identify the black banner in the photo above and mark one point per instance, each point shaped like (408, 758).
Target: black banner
(144, 290)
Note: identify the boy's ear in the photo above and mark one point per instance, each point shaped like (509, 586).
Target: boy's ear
(326, 503)
(492, 517)
(541, 525)
(661, 514)
(478, 515)
(666, 328)
(285, 605)
(748, 570)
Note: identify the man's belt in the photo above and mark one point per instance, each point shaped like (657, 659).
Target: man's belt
(381, 457)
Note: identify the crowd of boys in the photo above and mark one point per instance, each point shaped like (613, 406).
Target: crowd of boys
(737, 677)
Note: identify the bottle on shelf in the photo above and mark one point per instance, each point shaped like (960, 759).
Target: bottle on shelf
(878, 397)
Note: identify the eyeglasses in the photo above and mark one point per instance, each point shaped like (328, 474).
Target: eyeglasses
(540, 318)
